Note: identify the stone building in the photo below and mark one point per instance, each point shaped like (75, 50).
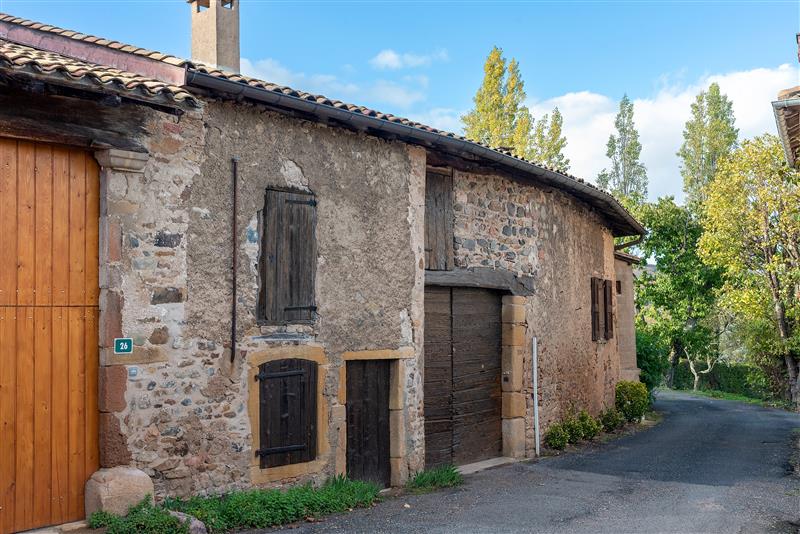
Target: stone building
(307, 287)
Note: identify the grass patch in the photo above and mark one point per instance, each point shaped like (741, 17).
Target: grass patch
(446, 476)
(244, 509)
(143, 518)
(724, 395)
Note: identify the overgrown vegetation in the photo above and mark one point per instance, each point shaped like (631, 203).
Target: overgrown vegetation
(244, 509)
(556, 436)
(144, 518)
(446, 476)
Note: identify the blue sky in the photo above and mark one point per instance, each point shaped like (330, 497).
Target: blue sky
(424, 59)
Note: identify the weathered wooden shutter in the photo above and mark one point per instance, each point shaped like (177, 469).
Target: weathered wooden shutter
(288, 412)
(595, 310)
(608, 306)
(438, 222)
(289, 257)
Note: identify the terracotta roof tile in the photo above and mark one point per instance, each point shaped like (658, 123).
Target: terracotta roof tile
(24, 58)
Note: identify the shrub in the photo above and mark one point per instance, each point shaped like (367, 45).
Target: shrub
(632, 399)
(590, 427)
(574, 429)
(611, 419)
(556, 436)
(445, 476)
(143, 518)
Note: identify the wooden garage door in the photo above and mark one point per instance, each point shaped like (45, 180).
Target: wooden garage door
(49, 206)
(463, 399)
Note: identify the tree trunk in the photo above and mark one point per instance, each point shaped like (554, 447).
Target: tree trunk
(792, 371)
(696, 376)
(673, 363)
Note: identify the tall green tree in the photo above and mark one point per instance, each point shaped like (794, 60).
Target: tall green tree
(677, 302)
(627, 177)
(751, 220)
(549, 142)
(708, 136)
(500, 117)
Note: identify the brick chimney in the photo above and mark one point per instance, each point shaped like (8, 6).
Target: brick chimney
(215, 33)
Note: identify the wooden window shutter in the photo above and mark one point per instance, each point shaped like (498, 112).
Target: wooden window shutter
(438, 222)
(289, 257)
(608, 305)
(287, 412)
(595, 311)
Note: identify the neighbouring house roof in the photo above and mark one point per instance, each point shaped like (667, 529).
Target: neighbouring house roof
(627, 258)
(71, 56)
(23, 59)
(787, 118)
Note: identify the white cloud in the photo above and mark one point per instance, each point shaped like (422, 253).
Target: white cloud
(399, 94)
(273, 71)
(394, 94)
(388, 59)
(589, 120)
(448, 119)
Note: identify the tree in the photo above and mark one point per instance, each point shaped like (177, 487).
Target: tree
(549, 143)
(707, 137)
(752, 231)
(500, 117)
(677, 303)
(627, 177)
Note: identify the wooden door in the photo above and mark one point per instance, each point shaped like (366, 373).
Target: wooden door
(463, 398)
(49, 208)
(368, 421)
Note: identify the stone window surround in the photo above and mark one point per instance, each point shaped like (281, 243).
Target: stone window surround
(311, 352)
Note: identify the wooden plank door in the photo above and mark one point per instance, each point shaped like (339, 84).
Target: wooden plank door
(368, 421)
(49, 209)
(438, 386)
(477, 392)
(463, 398)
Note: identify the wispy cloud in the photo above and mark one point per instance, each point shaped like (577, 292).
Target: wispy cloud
(589, 120)
(389, 59)
(399, 94)
(273, 71)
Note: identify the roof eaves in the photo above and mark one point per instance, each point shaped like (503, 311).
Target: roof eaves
(243, 87)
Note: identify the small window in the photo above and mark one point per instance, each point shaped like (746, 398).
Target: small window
(619, 287)
(288, 412)
(438, 221)
(288, 258)
(602, 310)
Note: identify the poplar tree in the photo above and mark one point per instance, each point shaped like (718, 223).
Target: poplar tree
(501, 119)
(548, 142)
(627, 177)
(707, 137)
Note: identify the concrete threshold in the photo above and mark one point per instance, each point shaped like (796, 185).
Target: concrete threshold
(468, 469)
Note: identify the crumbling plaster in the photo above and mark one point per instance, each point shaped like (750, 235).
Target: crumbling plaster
(185, 419)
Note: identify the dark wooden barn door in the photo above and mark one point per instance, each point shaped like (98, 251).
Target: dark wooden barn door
(368, 421)
(463, 399)
(49, 209)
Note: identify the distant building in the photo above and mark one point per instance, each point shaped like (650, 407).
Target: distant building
(787, 118)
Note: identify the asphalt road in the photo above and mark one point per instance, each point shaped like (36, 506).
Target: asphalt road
(709, 466)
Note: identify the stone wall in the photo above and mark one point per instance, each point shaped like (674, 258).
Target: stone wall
(184, 417)
(543, 233)
(626, 316)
